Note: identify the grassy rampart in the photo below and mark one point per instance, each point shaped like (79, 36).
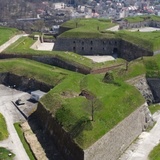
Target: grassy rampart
(31, 69)
(112, 101)
(142, 18)
(6, 34)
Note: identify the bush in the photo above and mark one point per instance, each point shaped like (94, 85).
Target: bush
(108, 78)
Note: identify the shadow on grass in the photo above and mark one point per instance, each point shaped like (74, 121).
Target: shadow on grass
(82, 124)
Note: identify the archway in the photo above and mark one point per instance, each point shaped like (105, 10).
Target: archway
(115, 52)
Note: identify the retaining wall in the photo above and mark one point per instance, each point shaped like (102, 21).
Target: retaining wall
(116, 141)
(23, 83)
(51, 60)
(109, 147)
(88, 46)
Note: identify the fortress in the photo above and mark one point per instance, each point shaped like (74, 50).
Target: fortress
(61, 113)
(115, 46)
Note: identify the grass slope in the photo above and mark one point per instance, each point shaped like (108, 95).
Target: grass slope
(74, 111)
(117, 98)
(94, 28)
(142, 18)
(6, 34)
(3, 128)
(31, 69)
(25, 144)
(22, 47)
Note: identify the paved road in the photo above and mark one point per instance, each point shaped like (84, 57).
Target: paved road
(145, 143)
(12, 40)
(12, 115)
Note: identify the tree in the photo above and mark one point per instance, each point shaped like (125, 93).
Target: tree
(92, 104)
(108, 78)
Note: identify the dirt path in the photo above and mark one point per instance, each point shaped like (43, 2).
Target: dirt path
(145, 143)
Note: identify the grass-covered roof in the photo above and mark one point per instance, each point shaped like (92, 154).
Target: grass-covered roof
(142, 18)
(95, 28)
(6, 33)
(112, 101)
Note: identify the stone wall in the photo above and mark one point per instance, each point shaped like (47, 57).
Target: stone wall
(130, 51)
(109, 147)
(51, 60)
(141, 84)
(147, 23)
(64, 143)
(154, 84)
(23, 83)
(121, 48)
(87, 46)
(116, 141)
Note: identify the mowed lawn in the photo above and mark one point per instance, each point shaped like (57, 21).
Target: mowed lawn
(6, 34)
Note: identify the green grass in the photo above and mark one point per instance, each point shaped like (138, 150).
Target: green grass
(142, 18)
(4, 154)
(22, 47)
(88, 24)
(155, 153)
(25, 144)
(73, 111)
(86, 28)
(154, 108)
(6, 34)
(31, 69)
(3, 128)
(146, 40)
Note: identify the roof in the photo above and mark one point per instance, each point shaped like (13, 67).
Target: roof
(38, 92)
